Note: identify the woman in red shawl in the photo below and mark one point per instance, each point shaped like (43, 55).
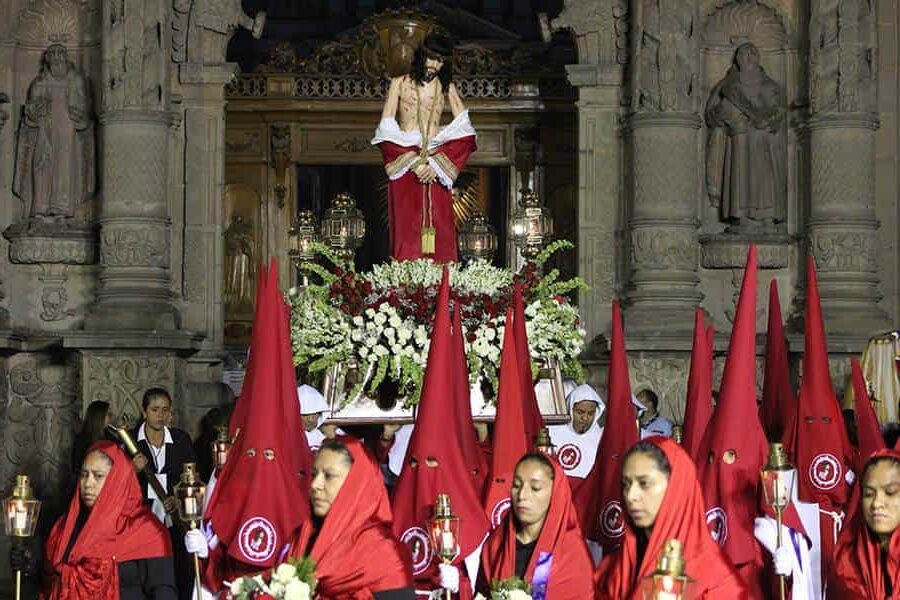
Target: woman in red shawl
(108, 546)
(867, 557)
(350, 538)
(539, 540)
(663, 501)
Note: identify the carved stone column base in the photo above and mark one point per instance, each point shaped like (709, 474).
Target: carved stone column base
(729, 251)
(663, 291)
(842, 224)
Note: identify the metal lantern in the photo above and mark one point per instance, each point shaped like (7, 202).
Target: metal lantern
(445, 530)
(543, 443)
(531, 226)
(190, 492)
(22, 510)
(221, 446)
(777, 483)
(477, 238)
(305, 230)
(677, 434)
(344, 227)
(668, 581)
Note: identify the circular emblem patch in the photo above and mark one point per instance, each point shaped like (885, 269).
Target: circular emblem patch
(569, 456)
(612, 519)
(825, 471)
(717, 522)
(257, 539)
(419, 545)
(499, 511)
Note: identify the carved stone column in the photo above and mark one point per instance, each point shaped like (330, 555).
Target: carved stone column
(599, 29)
(842, 223)
(663, 291)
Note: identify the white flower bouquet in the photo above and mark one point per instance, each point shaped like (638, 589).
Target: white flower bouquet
(381, 320)
(293, 580)
(512, 588)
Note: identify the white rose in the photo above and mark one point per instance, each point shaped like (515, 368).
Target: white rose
(358, 321)
(380, 319)
(277, 588)
(296, 590)
(518, 595)
(235, 586)
(363, 352)
(285, 572)
(370, 312)
(395, 321)
(380, 350)
(389, 332)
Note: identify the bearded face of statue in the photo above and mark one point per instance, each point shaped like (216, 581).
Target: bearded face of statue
(747, 58)
(57, 61)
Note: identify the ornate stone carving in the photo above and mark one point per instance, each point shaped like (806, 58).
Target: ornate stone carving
(667, 57)
(4, 115)
(353, 144)
(844, 251)
(239, 266)
(664, 248)
(601, 30)
(35, 241)
(746, 171)
(741, 21)
(843, 65)
(121, 381)
(665, 375)
(55, 153)
(73, 22)
(201, 29)
(729, 251)
(242, 141)
(280, 140)
(134, 246)
(53, 304)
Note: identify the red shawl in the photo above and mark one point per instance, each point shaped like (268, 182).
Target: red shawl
(120, 528)
(355, 551)
(682, 516)
(857, 572)
(560, 536)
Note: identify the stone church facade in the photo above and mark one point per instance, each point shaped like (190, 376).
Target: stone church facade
(112, 281)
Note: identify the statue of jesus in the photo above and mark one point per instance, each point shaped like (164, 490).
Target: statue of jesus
(421, 159)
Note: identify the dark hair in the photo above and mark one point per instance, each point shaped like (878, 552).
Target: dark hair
(650, 396)
(94, 421)
(435, 46)
(156, 392)
(339, 447)
(653, 451)
(539, 458)
(877, 460)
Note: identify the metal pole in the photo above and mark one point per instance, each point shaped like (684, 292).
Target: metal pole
(18, 585)
(781, 586)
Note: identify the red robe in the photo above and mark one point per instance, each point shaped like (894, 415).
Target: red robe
(561, 537)
(120, 528)
(355, 551)
(681, 516)
(857, 571)
(448, 152)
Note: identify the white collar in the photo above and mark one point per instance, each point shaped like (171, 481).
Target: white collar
(167, 437)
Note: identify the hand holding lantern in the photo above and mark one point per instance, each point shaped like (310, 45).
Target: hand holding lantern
(543, 443)
(220, 447)
(668, 581)
(445, 531)
(22, 510)
(777, 483)
(190, 492)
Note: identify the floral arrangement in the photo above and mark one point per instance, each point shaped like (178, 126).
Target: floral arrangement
(512, 588)
(381, 320)
(293, 580)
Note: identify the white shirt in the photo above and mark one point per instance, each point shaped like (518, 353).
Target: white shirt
(159, 463)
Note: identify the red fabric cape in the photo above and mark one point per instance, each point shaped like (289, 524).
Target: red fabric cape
(405, 203)
(355, 551)
(570, 570)
(682, 516)
(857, 572)
(120, 528)
(698, 405)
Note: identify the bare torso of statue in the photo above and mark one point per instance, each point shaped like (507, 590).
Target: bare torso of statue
(420, 106)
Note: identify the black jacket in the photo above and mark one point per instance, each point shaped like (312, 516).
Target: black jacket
(180, 451)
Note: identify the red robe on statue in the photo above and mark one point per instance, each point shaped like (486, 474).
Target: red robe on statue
(448, 152)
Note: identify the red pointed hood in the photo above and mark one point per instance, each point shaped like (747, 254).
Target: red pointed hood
(509, 435)
(599, 498)
(867, 429)
(734, 446)
(532, 414)
(434, 462)
(261, 496)
(698, 406)
(468, 440)
(778, 401)
(816, 439)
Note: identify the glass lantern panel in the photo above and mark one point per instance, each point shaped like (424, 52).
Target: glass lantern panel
(21, 516)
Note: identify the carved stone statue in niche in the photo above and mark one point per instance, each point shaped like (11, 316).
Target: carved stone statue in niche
(239, 265)
(746, 150)
(55, 155)
(4, 116)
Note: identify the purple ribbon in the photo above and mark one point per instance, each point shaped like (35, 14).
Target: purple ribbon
(541, 576)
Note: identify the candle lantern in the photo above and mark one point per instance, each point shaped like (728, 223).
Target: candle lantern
(477, 239)
(543, 443)
(22, 511)
(677, 434)
(221, 446)
(668, 581)
(777, 482)
(344, 227)
(190, 492)
(445, 531)
(531, 226)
